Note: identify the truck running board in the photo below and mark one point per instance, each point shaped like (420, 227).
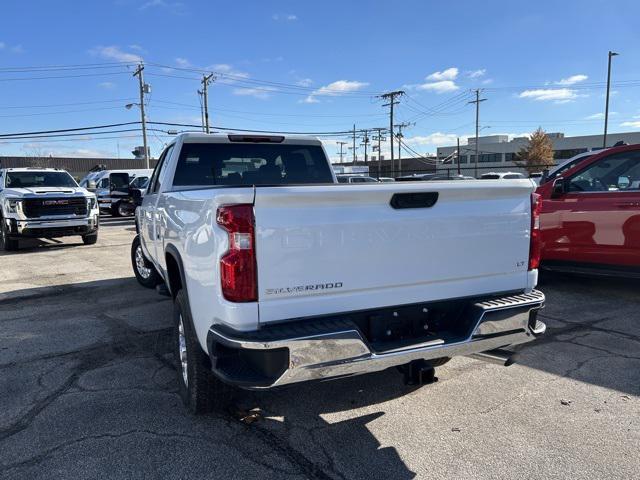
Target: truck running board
(497, 356)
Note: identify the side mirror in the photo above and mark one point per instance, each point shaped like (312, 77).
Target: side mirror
(559, 188)
(91, 185)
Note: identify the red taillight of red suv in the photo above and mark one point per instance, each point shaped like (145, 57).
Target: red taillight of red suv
(238, 266)
(535, 247)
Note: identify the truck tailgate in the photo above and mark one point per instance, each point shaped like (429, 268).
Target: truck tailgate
(339, 248)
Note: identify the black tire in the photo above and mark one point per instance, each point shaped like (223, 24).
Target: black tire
(438, 362)
(7, 244)
(200, 390)
(143, 269)
(90, 239)
(115, 210)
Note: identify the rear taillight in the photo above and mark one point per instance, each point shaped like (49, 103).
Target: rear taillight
(238, 266)
(535, 247)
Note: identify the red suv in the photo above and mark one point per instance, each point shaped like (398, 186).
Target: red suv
(590, 218)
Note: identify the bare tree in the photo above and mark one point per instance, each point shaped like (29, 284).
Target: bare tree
(537, 154)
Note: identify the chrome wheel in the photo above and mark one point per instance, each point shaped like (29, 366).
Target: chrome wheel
(122, 211)
(141, 264)
(182, 351)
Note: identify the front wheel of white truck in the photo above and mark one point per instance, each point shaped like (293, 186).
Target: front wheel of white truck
(200, 391)
(143, 269)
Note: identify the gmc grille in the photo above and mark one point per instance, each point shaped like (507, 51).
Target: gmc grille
(41, 207)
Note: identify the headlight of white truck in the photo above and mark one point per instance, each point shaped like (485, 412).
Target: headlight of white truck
(12, 205)
(91, 203)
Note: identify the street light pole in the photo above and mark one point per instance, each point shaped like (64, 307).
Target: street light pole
(606, 108)
(143, 87)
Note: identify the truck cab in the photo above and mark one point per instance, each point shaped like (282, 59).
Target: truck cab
(590, 219)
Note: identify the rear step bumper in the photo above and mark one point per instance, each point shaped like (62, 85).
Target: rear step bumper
(317, 349)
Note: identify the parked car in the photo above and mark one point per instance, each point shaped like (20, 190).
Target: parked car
(269, 266)
(425, 177)
(355, 179)
(44, 203)
(501, 176)
(112, 188)
(386, 179)
(590, 219)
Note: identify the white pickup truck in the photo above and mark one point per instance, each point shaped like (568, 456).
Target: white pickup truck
(280, 275)
(44, 203)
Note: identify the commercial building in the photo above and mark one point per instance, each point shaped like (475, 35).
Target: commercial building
(497, 152)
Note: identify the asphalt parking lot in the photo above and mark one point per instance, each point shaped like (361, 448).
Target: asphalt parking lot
(88, 390)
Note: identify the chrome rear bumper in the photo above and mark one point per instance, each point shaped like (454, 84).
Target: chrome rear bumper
(318, 349)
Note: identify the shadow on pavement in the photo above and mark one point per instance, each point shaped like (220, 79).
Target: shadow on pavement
(593, 331)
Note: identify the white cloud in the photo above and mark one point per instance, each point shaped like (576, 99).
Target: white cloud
(107, 85)
(288, 17)
(439, 82)
(262, 93)
(304, 82)
(631, 124)
(177, 8)
(558, 95)
(12, 48)
(183, 62)
(572, 80)
(439, 87)
(113, 52)
(334, 89)
(448, 74)
(477, 73)
(137, 48)
(225, 68)
(437, 139)
(600, 115)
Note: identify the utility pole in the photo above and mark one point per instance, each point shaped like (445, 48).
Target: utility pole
(400, 136)
(354, 143)
(391, 97)
(379, 138)
(458, 156)
(144, 88)
(341, 153)
(206, 79)
(477, 102)
(365, 142)
(606, 108)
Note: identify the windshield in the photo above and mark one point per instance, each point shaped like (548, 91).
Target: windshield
(39, 179)
(563, 168)
(204, 164)
(490, 176)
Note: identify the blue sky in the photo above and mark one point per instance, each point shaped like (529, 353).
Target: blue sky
(315, 66)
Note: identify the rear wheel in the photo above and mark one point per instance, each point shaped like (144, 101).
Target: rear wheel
(90, 239)
(200, 390)
(115, 210)
(7, 244)
(144, 270)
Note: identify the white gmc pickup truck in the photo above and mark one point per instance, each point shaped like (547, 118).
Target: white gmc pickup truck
(280, 275)
(44, 203)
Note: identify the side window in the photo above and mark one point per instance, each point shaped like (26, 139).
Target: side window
(154, 183)
(617, 172)
(104, 183)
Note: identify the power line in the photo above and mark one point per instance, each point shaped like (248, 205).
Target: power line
(77, 129)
